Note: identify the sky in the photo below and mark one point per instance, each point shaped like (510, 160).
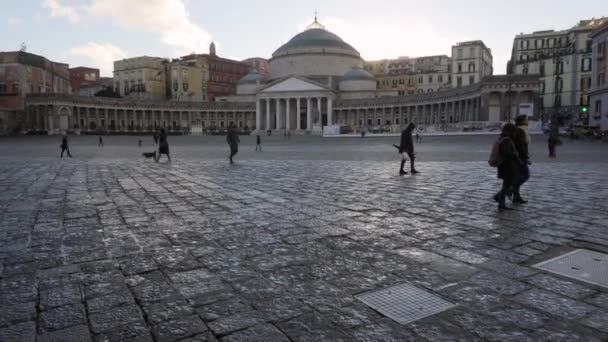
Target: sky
(94, 33)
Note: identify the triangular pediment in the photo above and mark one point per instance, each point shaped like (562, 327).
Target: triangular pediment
(293, 84)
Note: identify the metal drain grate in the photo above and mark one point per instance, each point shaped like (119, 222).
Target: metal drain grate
(405, 303)
(584, 265)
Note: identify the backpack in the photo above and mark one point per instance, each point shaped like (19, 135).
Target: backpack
(495, 157)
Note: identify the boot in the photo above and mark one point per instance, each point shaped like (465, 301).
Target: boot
(517, 199)
(501, 201)
(401, 170)
(413, 171)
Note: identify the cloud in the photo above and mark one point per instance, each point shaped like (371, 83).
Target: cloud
(167, 18)
(60, 11)
(388, 37)
(102, 55)
(14, 21)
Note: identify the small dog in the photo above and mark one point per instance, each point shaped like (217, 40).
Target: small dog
(150, 155)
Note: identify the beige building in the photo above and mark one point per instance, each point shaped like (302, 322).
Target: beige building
(563, 59)
(471, 62)
(403, 83)
(141, 77)
(188, 78)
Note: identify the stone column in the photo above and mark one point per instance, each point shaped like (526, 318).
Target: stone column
(278, 115)
(319, 99)
(258, 115)
(298, 115)
(287, 114)
(267, 126)
(308, 114)
(330, 114)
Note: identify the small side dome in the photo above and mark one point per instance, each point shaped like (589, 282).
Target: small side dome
(254, 77)
(357, 73)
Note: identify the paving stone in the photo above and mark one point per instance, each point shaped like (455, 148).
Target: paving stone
(507, 269)
(60, 296)
(169, 309)
(498, 283)
(383, 332)
(598, 321)
(560, 286)
(179, 328)
(132, 332)
(22, 332)
(600, 299)
(103, 303)
(262, 332)
(114, 317)
(62, 317)
(313, 327)
(204, 337)
(17, 313)
(239, 321)
(78, 333)
(555, 304)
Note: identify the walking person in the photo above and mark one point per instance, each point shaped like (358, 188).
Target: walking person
(233, 141)
(406, 149)
(258, 143)
(553, 142)
(65, 147)
(163, 145)
(139, 142)
(506, 158)
(100, 143)
(522, 141)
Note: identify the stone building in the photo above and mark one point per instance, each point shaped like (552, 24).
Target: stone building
(261, 65)
(23, 73)
(598, 106)
(563, 59)
(188, 79)
(315, 80)
(471, 62)
(141, 77)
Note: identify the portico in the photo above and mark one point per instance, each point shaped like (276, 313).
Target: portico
(294, 103)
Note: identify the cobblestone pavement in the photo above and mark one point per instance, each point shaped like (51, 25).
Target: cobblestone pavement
(275, 251)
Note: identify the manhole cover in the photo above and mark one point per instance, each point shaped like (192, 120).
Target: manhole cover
(405, 303)
(584, 265)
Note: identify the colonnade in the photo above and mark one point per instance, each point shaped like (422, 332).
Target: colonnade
(293, 113)
(52, 117)
(457, 111)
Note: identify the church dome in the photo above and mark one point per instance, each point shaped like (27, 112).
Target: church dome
(358, 74)
(254, 77)
(315, 40)
(315, 53)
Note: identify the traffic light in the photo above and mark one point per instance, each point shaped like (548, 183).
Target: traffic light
(584, 109)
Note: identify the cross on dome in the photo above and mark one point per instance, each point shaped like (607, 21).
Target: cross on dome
(316, 24)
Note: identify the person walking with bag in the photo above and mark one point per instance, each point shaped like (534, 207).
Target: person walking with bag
(406, 149)
(505, 157)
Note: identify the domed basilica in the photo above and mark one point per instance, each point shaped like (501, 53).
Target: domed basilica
(307, 75)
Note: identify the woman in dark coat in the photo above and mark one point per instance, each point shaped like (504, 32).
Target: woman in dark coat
(406, 148)
(163, 145)
(510, 164)
(233, 141)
